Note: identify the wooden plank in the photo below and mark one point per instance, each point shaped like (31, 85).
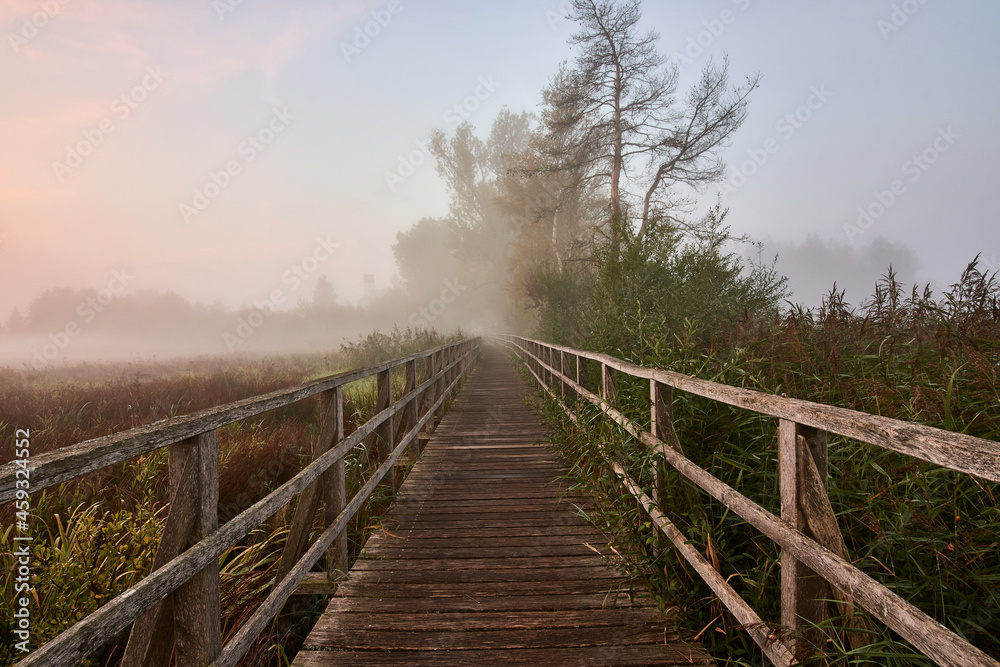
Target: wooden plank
(443, 620)
(477, 639)
(610, 587)
(549, 603)
(589, 656)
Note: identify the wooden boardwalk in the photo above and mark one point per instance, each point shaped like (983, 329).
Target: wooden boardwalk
(486, 559)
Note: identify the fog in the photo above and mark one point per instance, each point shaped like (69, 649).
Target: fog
(233, 178)
(815, 266)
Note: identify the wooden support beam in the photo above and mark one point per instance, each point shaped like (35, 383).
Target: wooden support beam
(385, 432)
(661, 419)
(191, 463)
(409, 417)
(335, 487)
(609, 386)
(197, 603)
(331, 424)
(426, 397)
(804, 593)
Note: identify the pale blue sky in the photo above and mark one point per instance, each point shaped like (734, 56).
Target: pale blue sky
(325, 172)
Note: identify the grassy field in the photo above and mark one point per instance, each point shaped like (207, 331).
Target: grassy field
(96, 537)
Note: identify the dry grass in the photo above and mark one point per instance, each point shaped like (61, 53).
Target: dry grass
(95, 537)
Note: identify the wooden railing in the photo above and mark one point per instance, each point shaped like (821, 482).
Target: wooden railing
(177, 607)
(807, 532)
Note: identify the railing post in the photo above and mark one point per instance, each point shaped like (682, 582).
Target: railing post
(661, 419)
(439, 385)
(425, 396)
(197, 604)
(410, 417)
(804, 594)
(562, 369)
(188, 621)
(384, 431)
(609, 387)
(331, 431)
(335, 484)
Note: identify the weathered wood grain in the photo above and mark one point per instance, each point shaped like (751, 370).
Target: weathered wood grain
(486, 548)
(958, 451)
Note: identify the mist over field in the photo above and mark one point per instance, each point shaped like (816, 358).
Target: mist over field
(230, 178)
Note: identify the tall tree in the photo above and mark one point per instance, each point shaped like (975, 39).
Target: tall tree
(472, 169)
(324, 296)
(617, 103)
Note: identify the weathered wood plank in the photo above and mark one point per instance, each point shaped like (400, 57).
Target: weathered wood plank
(647, 655)
(378, 640)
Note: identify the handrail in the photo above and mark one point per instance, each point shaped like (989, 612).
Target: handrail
(807, 532)
(192, 573)
(69, 462)
(957, 451)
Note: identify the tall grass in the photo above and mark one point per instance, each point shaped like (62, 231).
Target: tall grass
(932, 535)
(96, 537)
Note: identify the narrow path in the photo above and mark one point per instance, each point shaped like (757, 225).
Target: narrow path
(487, 561)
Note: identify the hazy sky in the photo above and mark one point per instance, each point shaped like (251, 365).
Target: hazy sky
(210, 146)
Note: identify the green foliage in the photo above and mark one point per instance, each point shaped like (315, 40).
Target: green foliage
(932, 535)
(670, 279)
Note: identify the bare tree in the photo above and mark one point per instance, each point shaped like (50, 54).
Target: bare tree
(617, 103)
